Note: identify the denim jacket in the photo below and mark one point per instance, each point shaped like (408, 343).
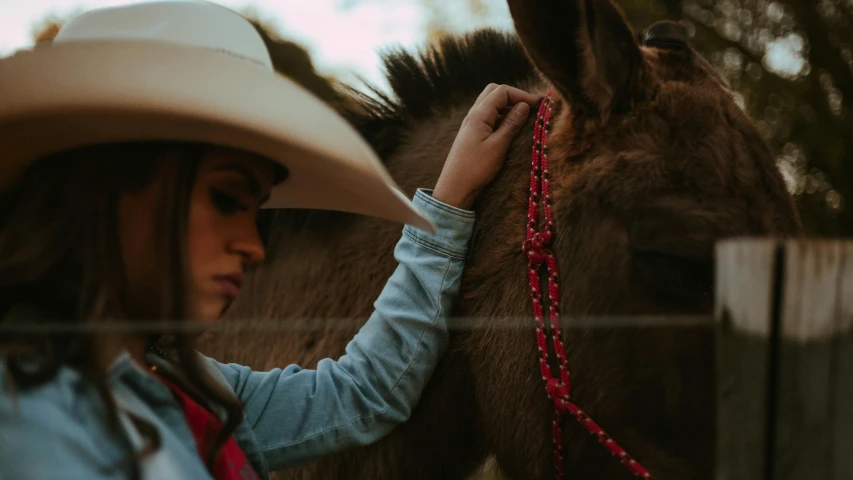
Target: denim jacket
(293, 415)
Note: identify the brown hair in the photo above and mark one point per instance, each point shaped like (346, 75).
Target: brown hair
(59, 251)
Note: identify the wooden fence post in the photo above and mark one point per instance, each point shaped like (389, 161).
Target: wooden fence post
(842, 440)
(785, 360)
(746, 284)
(813, 400)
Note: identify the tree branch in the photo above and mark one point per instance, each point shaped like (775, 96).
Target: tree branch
(822, 55)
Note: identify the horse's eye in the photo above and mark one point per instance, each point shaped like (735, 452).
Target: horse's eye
(675, 281)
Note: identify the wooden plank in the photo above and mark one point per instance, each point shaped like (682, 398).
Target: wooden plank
(842, 436)
(805, 394)
(746, 280)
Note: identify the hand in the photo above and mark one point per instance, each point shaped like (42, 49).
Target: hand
(479, 150)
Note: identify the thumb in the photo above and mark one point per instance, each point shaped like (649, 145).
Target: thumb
(513, 121)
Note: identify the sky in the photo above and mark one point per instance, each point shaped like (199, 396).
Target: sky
(342, 36)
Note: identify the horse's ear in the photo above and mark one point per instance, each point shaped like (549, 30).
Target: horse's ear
(47, 31)
(294, 62)
(585, 48)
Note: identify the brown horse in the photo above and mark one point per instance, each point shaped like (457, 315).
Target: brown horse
(652, 162)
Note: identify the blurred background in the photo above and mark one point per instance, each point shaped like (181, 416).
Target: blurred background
(790, 62)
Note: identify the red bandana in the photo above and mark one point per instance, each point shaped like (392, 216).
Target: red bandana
(231, 464)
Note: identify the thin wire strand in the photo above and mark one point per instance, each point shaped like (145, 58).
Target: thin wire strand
(326, 324)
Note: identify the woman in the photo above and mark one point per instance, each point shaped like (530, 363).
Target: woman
(137, 151)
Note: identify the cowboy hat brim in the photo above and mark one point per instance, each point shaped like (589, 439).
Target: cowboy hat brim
(81, 93)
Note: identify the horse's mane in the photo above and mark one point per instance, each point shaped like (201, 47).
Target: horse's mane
(446, 74)
(449, 73)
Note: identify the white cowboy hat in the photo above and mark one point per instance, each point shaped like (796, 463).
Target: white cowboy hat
(187, 71)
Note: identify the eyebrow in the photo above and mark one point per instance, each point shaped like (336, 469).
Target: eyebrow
(251, 180)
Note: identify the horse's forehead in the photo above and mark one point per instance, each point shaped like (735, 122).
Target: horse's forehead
(691, 141)
(690, 136)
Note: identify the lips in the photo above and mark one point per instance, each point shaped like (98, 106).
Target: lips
(230, 284)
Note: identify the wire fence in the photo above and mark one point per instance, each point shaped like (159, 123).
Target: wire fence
(301, 325)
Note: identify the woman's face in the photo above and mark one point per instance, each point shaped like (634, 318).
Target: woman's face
(222, 233)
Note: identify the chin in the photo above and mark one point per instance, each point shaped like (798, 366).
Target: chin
(212, 311)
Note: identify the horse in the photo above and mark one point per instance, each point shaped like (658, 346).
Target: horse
(651, 162)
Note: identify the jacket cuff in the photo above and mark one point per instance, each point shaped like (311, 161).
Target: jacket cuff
(454, 227)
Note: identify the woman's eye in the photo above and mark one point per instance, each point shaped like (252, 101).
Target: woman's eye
(226, 204)
(673, 280)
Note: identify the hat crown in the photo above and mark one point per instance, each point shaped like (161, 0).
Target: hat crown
(190, 23)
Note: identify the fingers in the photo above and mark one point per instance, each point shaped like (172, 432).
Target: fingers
(488, 110)
(511, 124)
(505, 95)
(489, 89)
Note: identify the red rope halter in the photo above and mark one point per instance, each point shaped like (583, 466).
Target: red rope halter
(536, 247)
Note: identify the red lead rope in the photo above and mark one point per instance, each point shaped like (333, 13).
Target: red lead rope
(536, 247)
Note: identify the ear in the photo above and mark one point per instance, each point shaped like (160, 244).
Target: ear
(47, 31)
(585, 48)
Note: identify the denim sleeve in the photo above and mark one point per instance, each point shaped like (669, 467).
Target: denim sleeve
(299, 415)
(42, 437)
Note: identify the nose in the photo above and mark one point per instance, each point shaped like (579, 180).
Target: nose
(248, 246)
